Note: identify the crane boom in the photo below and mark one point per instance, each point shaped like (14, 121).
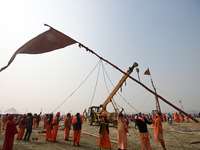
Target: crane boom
(109, 99)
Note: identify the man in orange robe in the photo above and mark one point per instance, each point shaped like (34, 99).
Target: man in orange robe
(187, 119)
(10, 132)
(122, 130)
(68, 122)
(104, 139)
(34, 121)
(181, 118)
(142, 122)
(22, 124)
(176, 117)
(77, 126)
(158, 130)
(38, 119)
(49, 127)
(164, 117)
(45, 118)
(55, 123)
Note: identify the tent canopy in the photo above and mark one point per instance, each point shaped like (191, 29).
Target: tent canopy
(10, 111)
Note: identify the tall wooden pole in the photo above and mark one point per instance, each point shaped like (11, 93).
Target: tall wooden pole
(87, 49)
(156, 98)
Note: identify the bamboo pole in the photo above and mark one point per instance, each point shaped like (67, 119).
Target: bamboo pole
(195, 142)
(87, 49)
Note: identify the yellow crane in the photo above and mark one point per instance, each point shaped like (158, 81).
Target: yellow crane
(95, 112)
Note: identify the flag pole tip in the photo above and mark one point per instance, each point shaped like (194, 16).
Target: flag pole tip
(47, 25)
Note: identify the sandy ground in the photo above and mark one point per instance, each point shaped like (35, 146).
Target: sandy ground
(177, 136)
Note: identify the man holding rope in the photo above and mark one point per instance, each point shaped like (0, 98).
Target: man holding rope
(142, 122)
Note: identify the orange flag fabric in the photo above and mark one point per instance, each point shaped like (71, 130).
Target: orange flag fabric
(45, 42)
(147, 72)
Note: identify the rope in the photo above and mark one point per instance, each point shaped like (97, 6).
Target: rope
(95, 85)
(76, 88)
(115, 104)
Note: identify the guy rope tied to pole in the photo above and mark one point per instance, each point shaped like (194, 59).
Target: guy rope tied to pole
(54, 39)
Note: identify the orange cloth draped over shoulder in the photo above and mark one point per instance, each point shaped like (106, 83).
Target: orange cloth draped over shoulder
(76, 133)
(55, 129)
(158, 130)
(10, 132)
(68, 122)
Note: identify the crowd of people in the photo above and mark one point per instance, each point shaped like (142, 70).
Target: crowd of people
(169, 117)
(27, 122)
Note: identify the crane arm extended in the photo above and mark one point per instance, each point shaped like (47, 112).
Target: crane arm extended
(109, 99)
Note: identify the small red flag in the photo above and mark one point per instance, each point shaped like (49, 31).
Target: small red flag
(45, 42)
(147, 72)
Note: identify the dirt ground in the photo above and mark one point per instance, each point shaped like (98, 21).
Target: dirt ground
(177, 136)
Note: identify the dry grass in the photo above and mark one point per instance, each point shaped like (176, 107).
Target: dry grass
(173, 140)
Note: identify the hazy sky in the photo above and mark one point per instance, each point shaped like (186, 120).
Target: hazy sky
(161, 35)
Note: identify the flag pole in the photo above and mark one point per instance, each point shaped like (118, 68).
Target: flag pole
(156, 97)
(87, 49)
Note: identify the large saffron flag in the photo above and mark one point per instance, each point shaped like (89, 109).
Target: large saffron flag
(45, 42)
(147, 72)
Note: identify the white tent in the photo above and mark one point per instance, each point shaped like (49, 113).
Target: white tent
(10, 111)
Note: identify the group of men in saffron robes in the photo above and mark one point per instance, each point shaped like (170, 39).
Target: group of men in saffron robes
(50, 124)
(179, 118)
